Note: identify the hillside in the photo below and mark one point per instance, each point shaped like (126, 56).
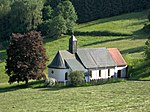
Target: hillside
(122, 32)
(131, 96)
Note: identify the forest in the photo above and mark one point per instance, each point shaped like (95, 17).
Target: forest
(47, 16)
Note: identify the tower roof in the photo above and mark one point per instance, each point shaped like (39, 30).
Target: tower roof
(58, 62)
(73, 38)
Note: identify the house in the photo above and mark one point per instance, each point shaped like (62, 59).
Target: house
(96, 63)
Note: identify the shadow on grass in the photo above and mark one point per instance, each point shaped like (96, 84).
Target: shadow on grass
(126, 16)
(99, 33)
(141, 72)
(14, 87)
(105, 41)
(143, 33)
(92, 83)
(133, 50)
(51, 39)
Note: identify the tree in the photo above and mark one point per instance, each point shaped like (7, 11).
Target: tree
(67, 11)
(26, 57)
(47, 12)
(25, 15)
(58, 26)
(147, 48)
(76, 78)
(4, 19)
(149, 16)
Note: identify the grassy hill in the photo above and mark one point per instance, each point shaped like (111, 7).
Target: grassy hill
(116, 97)
(123, 32)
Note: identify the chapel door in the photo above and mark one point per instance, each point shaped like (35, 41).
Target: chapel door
(119, 74)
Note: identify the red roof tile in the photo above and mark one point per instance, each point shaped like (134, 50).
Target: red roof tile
(117, 57)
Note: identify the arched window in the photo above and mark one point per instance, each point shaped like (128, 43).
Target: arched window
(52, 71)
(66, 76)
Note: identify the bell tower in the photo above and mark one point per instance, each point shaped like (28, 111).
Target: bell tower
(73, 45)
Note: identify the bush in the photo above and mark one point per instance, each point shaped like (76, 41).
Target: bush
(50, 82)
(76, 78)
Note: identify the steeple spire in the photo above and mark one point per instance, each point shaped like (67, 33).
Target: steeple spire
(72, 44)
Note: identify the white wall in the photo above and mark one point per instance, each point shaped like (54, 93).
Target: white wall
(94, 74)
(104, 73)
(59, 74)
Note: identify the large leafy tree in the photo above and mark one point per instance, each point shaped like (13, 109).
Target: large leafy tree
(26, 57)
(67, 11)
(58, 26)
(25, 15)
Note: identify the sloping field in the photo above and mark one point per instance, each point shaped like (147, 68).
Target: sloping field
(116, 97)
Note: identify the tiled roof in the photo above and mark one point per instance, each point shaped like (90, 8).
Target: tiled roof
(117, 57)
(89, 58)
(95, 57)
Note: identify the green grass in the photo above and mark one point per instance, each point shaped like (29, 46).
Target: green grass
(123, 32)
(129, 96)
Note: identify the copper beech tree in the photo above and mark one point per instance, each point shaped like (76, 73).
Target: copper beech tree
(26, 57)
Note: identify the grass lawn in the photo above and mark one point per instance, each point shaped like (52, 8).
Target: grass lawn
(131, 96)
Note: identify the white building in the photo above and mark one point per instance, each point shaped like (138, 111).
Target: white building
(97, 63)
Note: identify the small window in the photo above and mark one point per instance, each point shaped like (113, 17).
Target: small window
(52, 72)
(66, 76)
(108, 72)
(99, 73)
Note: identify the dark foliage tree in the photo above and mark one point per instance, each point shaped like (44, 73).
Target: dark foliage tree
(147, 49)
(4, 19)
(52, 3)
(46, 28)
(88, 10)
(26, 57)
(149, 16)
(25, 16)
(76, 78)
(47, 12)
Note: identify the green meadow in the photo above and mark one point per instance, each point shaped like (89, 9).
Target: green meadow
(124, 32)
(130, 96)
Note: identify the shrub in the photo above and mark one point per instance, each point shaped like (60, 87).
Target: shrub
(50, 82)
(76, 78)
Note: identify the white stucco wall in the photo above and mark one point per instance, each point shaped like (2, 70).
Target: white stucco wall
(58, 74)
(104, 73)
(94, 74)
